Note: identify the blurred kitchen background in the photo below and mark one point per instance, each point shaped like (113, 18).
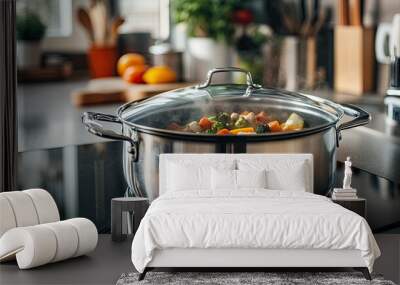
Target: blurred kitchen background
(69, 54)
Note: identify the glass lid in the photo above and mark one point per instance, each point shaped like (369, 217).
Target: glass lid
(231, 110)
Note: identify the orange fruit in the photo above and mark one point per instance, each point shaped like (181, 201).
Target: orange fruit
(134, 74)
(159, 74)
(129, 59)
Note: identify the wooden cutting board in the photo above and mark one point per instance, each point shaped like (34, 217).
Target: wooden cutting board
(114, 89)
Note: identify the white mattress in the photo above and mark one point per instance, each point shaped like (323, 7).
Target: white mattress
(259, 219)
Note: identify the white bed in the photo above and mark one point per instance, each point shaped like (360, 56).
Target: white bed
(197, 222)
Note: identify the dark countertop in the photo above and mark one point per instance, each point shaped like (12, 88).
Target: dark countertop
(374, 147)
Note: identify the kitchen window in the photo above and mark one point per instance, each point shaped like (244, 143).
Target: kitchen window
(57, 14)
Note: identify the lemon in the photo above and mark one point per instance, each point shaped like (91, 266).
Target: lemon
(159, 74)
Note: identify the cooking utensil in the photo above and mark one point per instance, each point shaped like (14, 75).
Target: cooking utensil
(355, 12)
(343, 12)
(322, 19)
(115, 24)
(145, 136)
(98, 16)
(86, 22)
(370, 13)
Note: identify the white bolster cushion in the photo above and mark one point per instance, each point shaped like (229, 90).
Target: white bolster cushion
(45, 205)
(23, 208)
(37, 245)
(87, 235)
(7, 219)
(26, 208)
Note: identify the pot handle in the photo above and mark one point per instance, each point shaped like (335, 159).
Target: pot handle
(361, 118)
(89, 119)
(249, 79)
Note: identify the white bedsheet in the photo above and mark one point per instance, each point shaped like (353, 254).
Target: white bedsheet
(250, 219)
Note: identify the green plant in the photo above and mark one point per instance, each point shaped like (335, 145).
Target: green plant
(207, 18)
(30, 27)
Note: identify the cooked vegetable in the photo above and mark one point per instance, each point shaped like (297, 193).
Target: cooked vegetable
(210, 132)
(250, 118)
(234, 117)
(205, 123)
(194, 127)
(262, 118)
(274, 126)
(261, 129)
(241, 122)
(223, 132)
(242, 130)
(293, 123)
(212, 118)
(218, 126)
(246, 123)
(223, 118)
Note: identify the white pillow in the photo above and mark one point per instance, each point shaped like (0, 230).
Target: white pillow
(281, 174)
(223, 179)
(293, 180)
(251, 178)
(186, 176)
(227, 179)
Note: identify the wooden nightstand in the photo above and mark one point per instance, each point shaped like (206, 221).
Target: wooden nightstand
(358, 205)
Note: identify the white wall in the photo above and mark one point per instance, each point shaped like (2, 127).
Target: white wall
(76, 42)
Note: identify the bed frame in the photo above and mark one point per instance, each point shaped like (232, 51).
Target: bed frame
(242, 259)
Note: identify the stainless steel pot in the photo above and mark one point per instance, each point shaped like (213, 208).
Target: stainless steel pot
(145, 136)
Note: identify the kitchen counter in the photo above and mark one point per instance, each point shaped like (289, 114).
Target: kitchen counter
(374, 147)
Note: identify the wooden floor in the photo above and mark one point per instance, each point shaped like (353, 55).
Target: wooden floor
(103, 266)
(110, 259)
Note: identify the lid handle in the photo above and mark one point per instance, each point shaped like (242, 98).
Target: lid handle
(249, 79)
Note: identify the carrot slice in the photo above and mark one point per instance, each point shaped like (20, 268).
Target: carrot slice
(223, 132)
(242, 130)
(274, 126)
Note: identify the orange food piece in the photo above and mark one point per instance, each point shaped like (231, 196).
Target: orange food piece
(223, 132)
(205, 123)
(262, 118)
(274, 126)
(159, 74)
(128, 60)
(134, 74)
(242, 130)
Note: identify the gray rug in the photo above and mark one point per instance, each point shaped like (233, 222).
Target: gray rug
(243, 278)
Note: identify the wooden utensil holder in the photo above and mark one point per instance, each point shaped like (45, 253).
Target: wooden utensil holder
(354, 59)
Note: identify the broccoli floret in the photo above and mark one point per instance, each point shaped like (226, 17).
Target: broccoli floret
(261, 129)
(218, 126)
(210, 132)
(241, 123)
(223, 118)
